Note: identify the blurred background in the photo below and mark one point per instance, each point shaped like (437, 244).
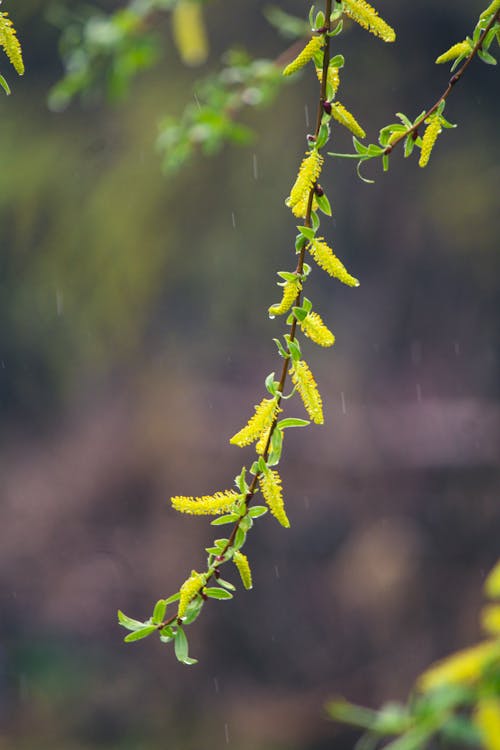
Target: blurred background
(134, 340)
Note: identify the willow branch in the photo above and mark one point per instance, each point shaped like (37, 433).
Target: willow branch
(451, 84)
(213, 570)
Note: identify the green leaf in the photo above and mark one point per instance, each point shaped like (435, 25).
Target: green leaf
(271, 384)
(229, 518)
(337, 61)
(4, 85)
(360, 147)
(324, 134)
(181, 647)
(404, 119)
(140, 634)
(306, 232)
(486, 57)
(385, 162)
(294, 348)
(193, 610)
(173, 598)
(281, 348)
(241, 482)
(324, 204)
(128, 622)
(226, 584)
(167, 634)
(221, 543)
(276, 447)
(292, 422)
(315, 220)
(337, 29)
(159, 610)
(239, 539)
(409, 145)
(257, 511)
(215, 592)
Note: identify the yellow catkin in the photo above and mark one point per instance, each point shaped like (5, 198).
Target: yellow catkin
(333, 77)
(308, 175)
(324, 257)
(367, 17)
(241, 562)
(270, 484)
(313, 45)
(261, 421)
(344, 117)
(487, 721)
(10, 43)
(188, 591)
(303, 380)
(314, 328)
(290, 291)
(207, 505)
(462, 48)
(462, 668)
(429, 138)
(492, 583)
(260, 446)
(189, 33)
(300, 209)
(490, 619)
(494, 7)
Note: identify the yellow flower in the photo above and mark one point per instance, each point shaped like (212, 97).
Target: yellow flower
(189, 589)
(344, 117)
(305, 384)
(494, 7)
(270, 484)
(490, 619)
(261, 421)
(315, 329)
(492, 584)
(207, 505)
(462, 668)
(10, 43)
(333, 77)
(241, 562)
(429, 138)
(451, 54)
(367, 17)
(487, 720)
(313, 45)
(329, 262)
(290, 291)
(189, 32)
(308, 175)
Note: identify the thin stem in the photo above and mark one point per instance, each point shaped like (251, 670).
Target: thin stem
(451, 84)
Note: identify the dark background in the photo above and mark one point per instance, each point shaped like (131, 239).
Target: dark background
(134, 341)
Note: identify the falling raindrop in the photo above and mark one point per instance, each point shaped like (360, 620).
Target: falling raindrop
(342, 400)
(226, 732)
(306, 112)
(276, 570)
(216, 684)
(233, 219)
(419, 392)
(456, 348)
(306, 502)
(197, 100)
(255, 167)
